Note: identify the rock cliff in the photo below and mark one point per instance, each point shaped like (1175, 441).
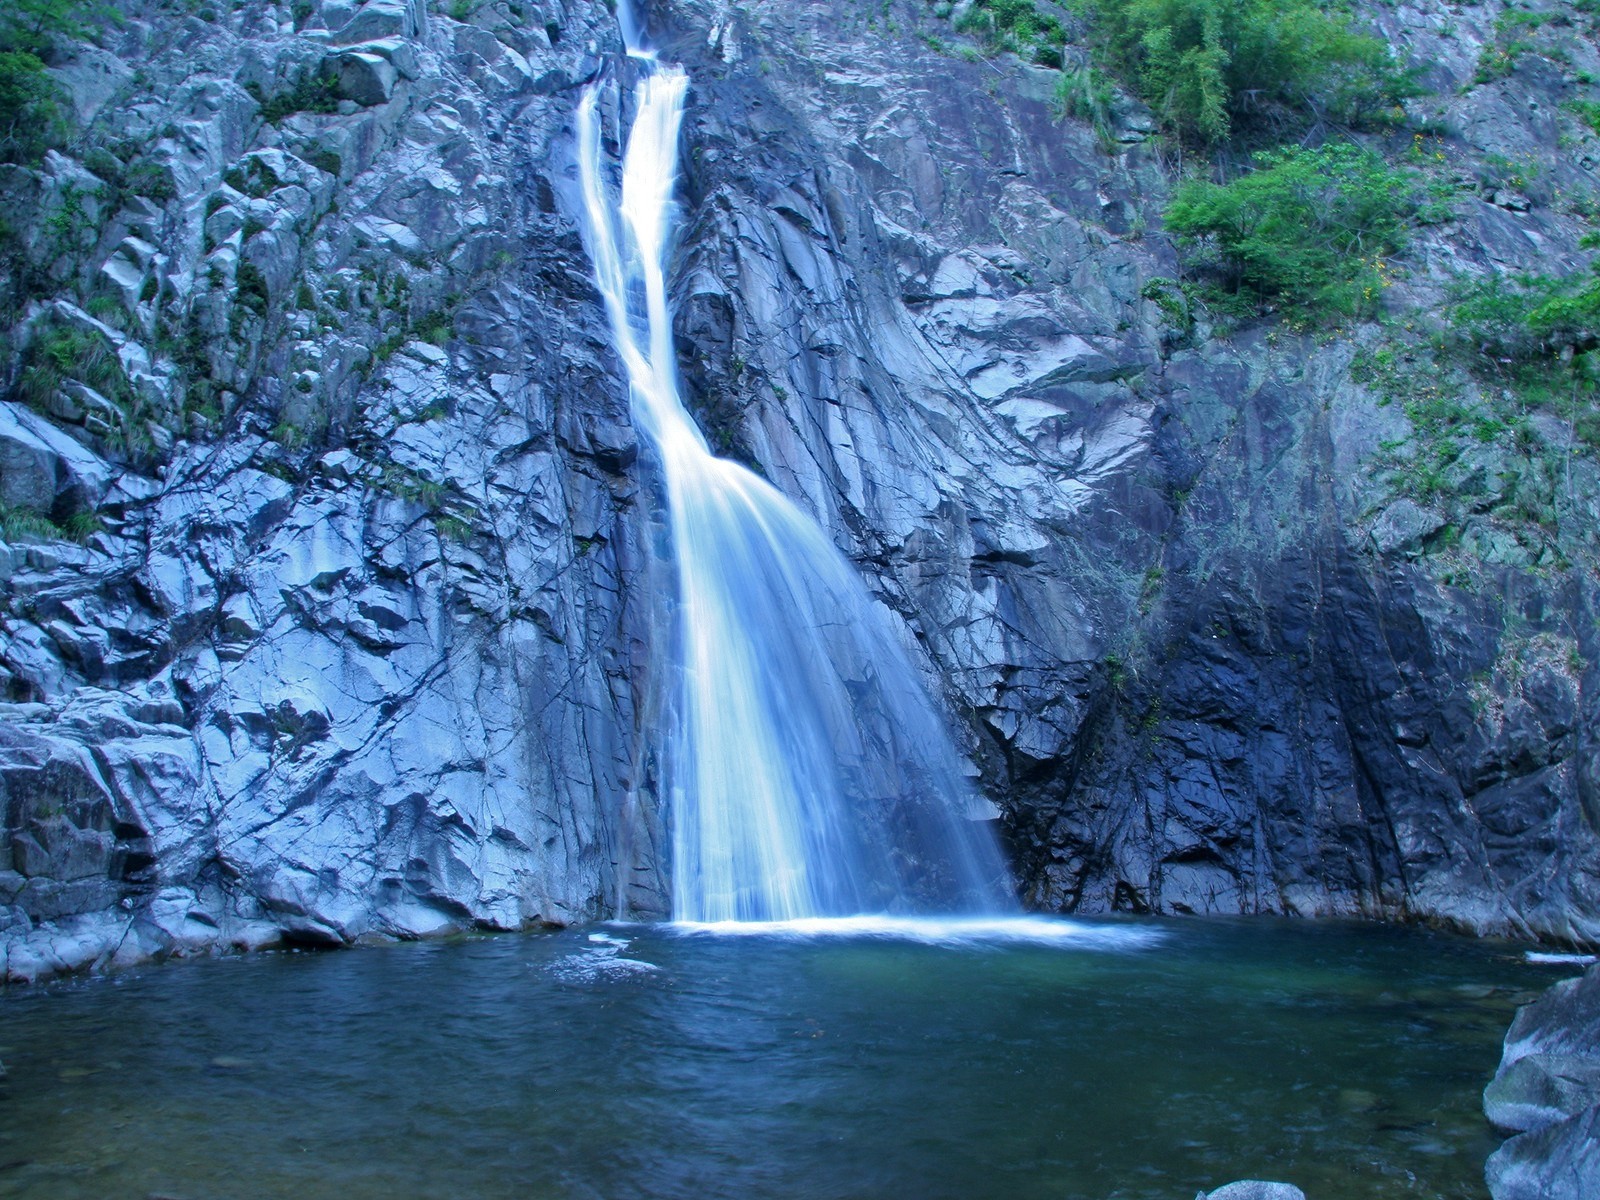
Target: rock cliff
(353, 635)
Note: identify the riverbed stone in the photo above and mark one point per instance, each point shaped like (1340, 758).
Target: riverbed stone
(1253, 1189)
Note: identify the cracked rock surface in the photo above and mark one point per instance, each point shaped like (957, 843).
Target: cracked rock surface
(356, 639)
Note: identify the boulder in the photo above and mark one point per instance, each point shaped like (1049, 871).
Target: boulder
(1253, 1189)
(1558, 1162)
(375, 19)
(1404, 526)
(365, 78)
(44, 469)
(1547, 1091)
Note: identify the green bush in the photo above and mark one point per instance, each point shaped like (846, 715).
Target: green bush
(1206, 66)
(59, 352)
(1313, 227)
(34, 26)
(32, 117)
(1085, 94)
(1527, 317)
(309, 92)
(253, 293)
(1018, 26)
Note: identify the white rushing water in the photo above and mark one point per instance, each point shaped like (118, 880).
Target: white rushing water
(807, 774)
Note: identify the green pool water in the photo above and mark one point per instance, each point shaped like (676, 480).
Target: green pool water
(1131, 1059)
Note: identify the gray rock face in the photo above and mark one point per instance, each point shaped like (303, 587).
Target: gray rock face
(361, 654)
(1203, 657)
(359, 642)
(1547, 1092)
(43, 469)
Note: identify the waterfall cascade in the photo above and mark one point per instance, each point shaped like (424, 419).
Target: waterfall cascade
(806, 771)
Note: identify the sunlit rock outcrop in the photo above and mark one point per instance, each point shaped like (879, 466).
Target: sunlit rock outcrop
(354, 635)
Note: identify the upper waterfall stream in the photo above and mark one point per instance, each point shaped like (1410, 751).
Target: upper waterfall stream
(806, 771)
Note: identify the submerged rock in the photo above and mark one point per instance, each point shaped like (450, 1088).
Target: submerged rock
(1253, 1189)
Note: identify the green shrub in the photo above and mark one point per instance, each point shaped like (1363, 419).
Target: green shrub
(1018, 26)
(57, 353)
(309, 92)
(23, 523)
(35, 26)
(252, 284)
(1526, 317)
(1499, 57)
(1086, 95)
(1205, 66)
(1313, 227)
(32, 116)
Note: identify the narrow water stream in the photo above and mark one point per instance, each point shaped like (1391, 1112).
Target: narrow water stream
(1127, 1060)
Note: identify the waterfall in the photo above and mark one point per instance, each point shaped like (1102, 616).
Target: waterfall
(806, 772)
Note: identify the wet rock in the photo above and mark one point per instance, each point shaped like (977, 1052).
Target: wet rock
(392, 570)
(1547, 1092)
(1557, 1162)
(1253, 1189)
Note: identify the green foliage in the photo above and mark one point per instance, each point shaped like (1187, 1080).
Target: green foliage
(252, 287)
(453, 529)
(1206, 66)
(1512, 31)
(35, 26)
(326, 160)
(1087, 95)
(59, 352)
(1587, 111)
(17, 524)
(1169, 298)
(1525, 317)
(1536, 340)
(311, 92)
(81, 526)
(1472, 452)
(1312, 227)
(32, 116)
(437, 327)
(1017, 26)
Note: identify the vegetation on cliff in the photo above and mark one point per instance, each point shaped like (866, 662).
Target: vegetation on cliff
(33, 115)
(1312, 225)
(1210, 67)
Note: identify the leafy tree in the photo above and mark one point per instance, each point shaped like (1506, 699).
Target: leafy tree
(1207, 65)
(35, 26)
(32, 116)
(1313, 227)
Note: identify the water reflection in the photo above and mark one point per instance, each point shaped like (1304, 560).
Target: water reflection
(1131, 1059)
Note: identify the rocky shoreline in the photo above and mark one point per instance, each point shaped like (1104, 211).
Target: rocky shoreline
(1546, 1095)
